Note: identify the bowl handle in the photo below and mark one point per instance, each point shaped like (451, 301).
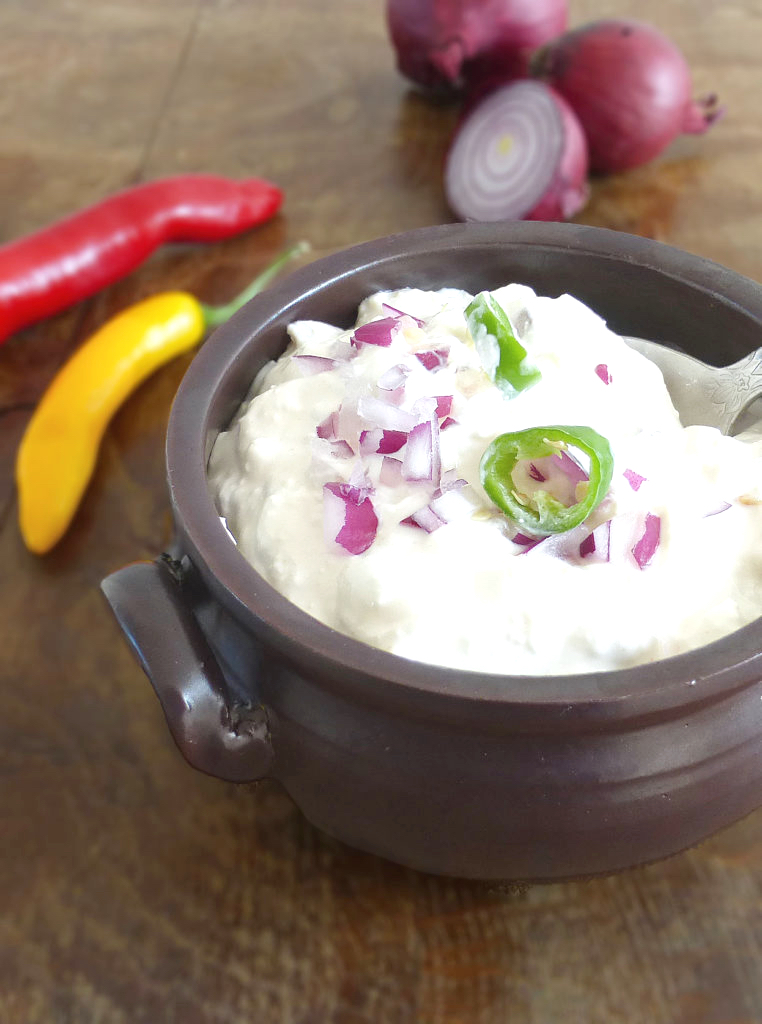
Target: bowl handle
(215, 734)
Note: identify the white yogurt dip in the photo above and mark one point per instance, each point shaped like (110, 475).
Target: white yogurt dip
(466, 594)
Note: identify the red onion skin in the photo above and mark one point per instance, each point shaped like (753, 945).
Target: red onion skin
(568, 191)
(629, 86)
(434, 39)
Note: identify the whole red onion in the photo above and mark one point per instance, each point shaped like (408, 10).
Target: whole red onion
(629, 86)
(435, 38)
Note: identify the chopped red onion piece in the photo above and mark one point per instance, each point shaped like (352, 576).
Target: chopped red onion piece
(343, 351)
(340, 449)
(425, 518)
(377, 332)
(587, 547)
(394, 377)
(646, 547)
(452, 505)
(382, 442)
(633, 479)
(570, 467)
(562, 545)
(444, 405)
(418, 460)
(451, 481)
(425, 408)
(360, 479)
(523, 539)
(329, 428)
(604, 373)
(310, 365)
(385, 415)
(597, 545)
(449, 422)
(349, 518)
(398, 313)
(391, 472)
(720, 508)
(434, 358)
(557, 474)
(445, 508)
(526, 542)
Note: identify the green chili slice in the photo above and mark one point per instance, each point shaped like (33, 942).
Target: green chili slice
(522, 487)
(502, 354)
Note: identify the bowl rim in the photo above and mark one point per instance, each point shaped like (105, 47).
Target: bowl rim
(707, 673)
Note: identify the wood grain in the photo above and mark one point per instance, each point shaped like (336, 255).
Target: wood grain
(131, 888)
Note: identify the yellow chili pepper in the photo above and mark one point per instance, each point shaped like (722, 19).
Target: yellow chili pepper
(59, 448)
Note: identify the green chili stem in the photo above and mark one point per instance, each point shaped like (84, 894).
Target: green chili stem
(216, 315)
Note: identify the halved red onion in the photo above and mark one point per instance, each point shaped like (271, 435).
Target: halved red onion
(398, 313)
(377, 332)
(519, 153)
(433, 358)
(645, 549)
(380, 413)
(382, 442)
(393, 378)
(349, 518)
(310, 365)
(604, 373)
(635, 480)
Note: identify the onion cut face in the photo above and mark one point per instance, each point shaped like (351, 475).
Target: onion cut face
(519, 154)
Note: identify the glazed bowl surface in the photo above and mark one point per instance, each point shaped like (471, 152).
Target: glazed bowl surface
(444, 770)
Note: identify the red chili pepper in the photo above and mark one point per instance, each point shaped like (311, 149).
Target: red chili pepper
(72, 259)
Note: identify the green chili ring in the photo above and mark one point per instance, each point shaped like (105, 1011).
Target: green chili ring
(545, 515)
(512, 371)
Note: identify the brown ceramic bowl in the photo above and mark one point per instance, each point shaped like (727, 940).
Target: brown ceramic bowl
(448, 771)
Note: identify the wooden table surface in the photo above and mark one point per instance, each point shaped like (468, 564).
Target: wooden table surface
(133, 889)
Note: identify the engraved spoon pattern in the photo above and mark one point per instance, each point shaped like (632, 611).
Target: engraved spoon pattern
(704, 394)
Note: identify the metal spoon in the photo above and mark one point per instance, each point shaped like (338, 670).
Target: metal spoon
(703, 394)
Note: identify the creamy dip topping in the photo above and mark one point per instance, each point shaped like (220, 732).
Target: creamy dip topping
(670, 560)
